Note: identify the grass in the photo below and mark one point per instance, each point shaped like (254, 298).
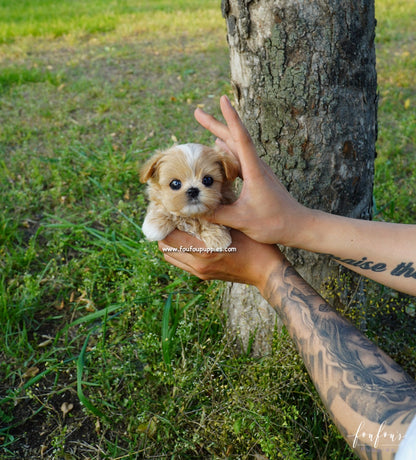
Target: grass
(395, 187)
(106, 351)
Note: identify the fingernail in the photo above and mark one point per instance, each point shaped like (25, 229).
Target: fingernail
(228, 102)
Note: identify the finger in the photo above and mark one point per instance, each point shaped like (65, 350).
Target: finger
(210, 123)
(176, 256)
(227, 215)
(233, 120)
(178, 239)
(240, 137)
(179, 263)
(223, 146)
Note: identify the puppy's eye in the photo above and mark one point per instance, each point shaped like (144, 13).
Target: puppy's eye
(207, 181)
(175, 184)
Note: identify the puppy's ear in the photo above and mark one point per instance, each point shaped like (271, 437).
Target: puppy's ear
(229, 165)
(149, 169)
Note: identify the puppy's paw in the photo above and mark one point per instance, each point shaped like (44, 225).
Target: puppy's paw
(155, 230)
(216, 237)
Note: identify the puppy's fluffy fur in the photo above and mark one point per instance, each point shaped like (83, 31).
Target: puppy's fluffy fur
(186, 182)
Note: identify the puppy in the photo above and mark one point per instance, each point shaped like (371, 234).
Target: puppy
(185, 183)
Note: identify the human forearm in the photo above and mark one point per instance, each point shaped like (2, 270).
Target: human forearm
(381, 251)
(365, 392)
(370, 398)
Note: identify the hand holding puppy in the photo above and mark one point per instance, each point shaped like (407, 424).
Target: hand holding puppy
(250, 263)
(265, 211)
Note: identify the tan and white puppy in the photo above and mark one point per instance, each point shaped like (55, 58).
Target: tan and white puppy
(185, 183)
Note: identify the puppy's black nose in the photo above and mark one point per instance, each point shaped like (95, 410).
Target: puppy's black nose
(192, 192)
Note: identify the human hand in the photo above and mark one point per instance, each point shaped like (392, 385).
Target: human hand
(265, 211)
(250, 263)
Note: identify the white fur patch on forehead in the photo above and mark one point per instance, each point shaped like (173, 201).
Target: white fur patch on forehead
(192, 152)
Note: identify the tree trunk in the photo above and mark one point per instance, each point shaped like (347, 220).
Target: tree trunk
(304, 79)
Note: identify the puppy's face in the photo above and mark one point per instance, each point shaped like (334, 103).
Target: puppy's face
(187, 180)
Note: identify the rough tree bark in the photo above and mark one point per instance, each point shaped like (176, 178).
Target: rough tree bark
(304, 80)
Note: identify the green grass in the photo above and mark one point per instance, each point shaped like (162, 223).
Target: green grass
(23, 18)
(395, 186)
(90, 313)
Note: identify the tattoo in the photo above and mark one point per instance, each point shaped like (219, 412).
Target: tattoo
(405, 269)
(342, 362)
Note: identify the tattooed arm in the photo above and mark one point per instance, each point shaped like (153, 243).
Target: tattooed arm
(370, 398)
(266, 212)
(384, 252)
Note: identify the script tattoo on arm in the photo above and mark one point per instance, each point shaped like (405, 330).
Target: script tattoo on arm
(368, 395)
(405, 269)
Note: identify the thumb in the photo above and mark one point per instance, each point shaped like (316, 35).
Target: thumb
(225, 214)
